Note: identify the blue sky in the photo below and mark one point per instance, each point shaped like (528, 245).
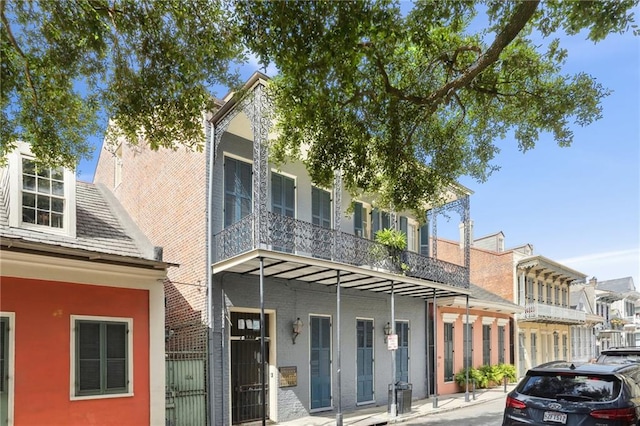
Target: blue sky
(579, 206)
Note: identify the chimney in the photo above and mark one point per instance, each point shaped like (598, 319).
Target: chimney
(461, 228)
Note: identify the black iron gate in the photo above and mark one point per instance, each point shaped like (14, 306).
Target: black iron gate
(246, 368)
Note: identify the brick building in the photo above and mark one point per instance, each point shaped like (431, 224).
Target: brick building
(539, 285)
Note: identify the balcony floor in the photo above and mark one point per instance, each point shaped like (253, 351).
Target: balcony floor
(324, 272)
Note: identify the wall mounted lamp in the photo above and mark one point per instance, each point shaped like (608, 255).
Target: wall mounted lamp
(297, 329)
(387, 331)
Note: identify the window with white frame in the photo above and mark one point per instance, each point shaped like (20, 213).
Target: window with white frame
(102, 356)
(40, 198)
(43, 195)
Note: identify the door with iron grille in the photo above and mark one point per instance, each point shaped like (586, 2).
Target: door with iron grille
(246, 368)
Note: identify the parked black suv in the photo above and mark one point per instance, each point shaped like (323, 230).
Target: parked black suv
(619, 355)
(564, 393)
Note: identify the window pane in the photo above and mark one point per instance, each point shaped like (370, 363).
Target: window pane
(57, 205)
(29, 183)
(28, 215)
(43, 217)
(57, 188)
(44, 186)
(45, 173)
(28, 167)
(28, 200)
(56, 220)
(44, 203)
(57, 174)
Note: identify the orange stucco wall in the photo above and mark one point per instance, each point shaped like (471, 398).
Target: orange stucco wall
(42, 351)
(458, 344)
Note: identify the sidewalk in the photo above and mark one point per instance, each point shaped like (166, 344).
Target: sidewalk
(377, 415)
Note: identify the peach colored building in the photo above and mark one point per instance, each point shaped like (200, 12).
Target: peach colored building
(538, 285)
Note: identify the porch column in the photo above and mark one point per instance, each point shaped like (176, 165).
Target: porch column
(466, 353)
(338, 348)
(435, 350)
(263, 391)
(394, 406)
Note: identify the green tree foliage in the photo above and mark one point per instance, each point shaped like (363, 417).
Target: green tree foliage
(407, 103)
(404, 102)
(146, 64)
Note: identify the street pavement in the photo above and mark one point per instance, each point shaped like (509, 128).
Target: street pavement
(377, 415)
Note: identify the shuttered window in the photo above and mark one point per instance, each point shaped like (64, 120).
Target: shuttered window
(101, 357)
(237, 190)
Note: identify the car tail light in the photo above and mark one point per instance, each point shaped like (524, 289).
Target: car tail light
(515, 403)
(622, 414)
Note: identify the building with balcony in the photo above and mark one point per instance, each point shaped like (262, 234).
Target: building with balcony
(539, 285)
(622, 325)
(582, 298)
(305, 311)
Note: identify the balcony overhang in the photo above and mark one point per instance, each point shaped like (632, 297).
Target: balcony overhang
(292, 267)
(548, 268)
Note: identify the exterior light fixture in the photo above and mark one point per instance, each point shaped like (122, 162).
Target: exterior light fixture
(297, 329)
(387, 331)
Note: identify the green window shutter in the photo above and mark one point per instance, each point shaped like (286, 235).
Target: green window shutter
(357, 219)
(116, 356)
(88, 357)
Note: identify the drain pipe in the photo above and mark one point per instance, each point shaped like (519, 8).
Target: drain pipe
(209, 143)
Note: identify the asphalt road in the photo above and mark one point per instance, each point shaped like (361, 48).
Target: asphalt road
(485, 414)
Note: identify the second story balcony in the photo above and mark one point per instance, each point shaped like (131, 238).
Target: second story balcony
(277, 233)
(540, 312)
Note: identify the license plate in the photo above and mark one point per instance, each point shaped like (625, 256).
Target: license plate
(554, 416)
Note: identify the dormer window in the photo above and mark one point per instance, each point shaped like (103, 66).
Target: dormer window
(42, 195)
(41, 198)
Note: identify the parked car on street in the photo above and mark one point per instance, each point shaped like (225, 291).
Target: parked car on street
(619, 355)
(585, 394)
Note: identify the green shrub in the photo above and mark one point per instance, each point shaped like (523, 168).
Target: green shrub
(508, 371)
(474, 375)
(493, 374)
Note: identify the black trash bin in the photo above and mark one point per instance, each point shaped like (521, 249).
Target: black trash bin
(403, 397)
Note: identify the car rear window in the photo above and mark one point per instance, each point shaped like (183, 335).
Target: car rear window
(614, 358)
(570, 386)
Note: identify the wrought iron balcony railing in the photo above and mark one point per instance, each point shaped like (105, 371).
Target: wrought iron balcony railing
(286, 234)
(542, 312)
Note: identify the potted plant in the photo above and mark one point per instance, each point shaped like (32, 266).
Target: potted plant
(395, 243)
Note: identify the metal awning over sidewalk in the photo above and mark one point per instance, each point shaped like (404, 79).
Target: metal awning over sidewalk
(319, 271)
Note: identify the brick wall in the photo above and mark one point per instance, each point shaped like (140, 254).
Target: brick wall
(164, 192)
(490, 270)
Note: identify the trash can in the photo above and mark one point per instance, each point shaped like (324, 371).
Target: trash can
(403, 397)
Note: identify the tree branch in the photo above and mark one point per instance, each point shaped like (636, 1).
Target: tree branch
(523, 12)
(14, 43)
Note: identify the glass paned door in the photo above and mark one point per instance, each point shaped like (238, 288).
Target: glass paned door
(320, 363)
(364, 360)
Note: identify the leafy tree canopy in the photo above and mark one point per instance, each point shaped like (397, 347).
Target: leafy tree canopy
(146, 64)
(403, 103)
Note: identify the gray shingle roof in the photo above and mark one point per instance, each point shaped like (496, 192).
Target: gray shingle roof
(618, 285)
(98, 227)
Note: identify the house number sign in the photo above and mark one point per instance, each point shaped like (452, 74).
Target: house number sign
(288, 376)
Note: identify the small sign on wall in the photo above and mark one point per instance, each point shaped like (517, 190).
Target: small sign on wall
(392, 342)
(288, 376)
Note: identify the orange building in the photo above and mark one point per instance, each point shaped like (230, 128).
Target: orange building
(81, 305)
